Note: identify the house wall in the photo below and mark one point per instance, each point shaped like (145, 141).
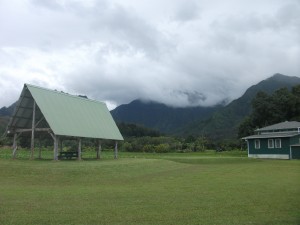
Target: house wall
(295, 140)
(265, 152)
(295, 150)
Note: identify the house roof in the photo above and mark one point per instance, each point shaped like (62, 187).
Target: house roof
(281, 126)
(272, 135)
(65, 114)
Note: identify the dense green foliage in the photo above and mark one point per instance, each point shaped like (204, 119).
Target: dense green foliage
(191, 188)
(165, 144)
(133, 130)
(3, 123)
(282, 105)
(161, 117)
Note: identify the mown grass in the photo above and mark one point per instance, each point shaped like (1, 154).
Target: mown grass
(183, 188)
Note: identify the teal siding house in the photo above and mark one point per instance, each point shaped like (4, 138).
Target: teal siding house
(278, 141)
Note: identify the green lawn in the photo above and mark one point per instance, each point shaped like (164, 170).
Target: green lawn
(184, 188)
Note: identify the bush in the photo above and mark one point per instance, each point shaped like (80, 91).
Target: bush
(162, 148)
(148, 148)
(188, 147)
(127, 147)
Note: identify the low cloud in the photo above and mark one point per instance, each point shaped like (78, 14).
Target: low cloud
(176, 52)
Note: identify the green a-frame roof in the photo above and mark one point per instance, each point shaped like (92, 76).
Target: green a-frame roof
(63, 114)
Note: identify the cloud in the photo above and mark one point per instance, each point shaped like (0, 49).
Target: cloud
(187, 11)
(182, 53)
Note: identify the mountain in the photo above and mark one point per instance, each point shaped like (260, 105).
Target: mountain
(160, 116)
(224, 123)
(217, 122)
(5, 113)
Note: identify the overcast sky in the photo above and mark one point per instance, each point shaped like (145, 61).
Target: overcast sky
(179, 52)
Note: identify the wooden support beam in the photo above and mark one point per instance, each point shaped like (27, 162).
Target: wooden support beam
(99, 150)
(15, 145)
(32, 131)
(55, 146)
(79, 149)
(116, 150)
(39, 122)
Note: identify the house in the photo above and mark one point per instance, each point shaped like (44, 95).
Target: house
(278, 141)
(61, 116)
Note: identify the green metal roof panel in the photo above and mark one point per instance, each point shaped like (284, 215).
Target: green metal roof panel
(70, 115)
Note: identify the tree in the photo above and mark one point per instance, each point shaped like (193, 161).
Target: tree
(246, 127)
(282, 102)
(296, 106)
(282, 105)
(200, 143)
(262, 109)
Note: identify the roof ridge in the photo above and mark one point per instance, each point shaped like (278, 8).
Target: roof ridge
(279, 125)
(64, 93)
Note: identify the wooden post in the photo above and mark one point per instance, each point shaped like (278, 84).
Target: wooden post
(116, 150)
(55, 146)
(79, 149)
(99, 150)
(32, 132)
(56, 140)
(15, 145)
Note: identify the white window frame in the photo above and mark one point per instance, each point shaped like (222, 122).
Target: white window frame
(270, 143)
(278, 146)
(257, 144)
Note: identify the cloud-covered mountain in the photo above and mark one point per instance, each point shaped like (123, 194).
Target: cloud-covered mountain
(217, 122)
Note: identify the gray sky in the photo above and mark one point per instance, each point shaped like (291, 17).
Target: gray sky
(179, 52)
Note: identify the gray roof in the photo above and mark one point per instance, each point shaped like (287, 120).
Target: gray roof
(64, 114)
(272, 135)
(281, 126)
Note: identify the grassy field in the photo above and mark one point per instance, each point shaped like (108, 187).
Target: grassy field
(184, 188)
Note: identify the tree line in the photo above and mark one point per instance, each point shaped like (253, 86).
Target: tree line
(267, 109)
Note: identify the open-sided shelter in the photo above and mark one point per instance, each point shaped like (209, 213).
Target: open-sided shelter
(280, 141)
(61, 115)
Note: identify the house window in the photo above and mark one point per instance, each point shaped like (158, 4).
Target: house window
(278, 143)
(270, 143)
(257, 144)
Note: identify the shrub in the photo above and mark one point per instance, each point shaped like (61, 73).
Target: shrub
(162, 148)
(127, 147)
(148, 148)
